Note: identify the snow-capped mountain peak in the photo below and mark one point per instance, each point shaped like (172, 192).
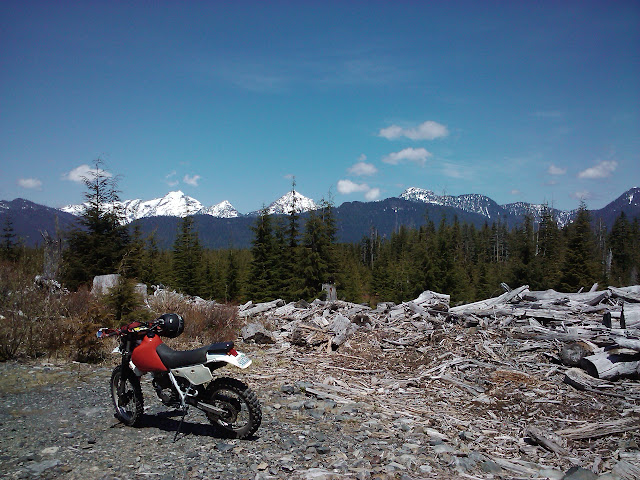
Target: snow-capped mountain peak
(173, 204)
(223, 209)
(416, 194)
(285, 204)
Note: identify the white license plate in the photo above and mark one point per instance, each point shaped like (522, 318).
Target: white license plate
(243, 360)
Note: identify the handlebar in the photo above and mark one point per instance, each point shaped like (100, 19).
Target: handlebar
(134, 327)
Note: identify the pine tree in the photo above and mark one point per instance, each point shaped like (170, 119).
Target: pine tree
(579, 269)
(291, 271)
(522, 246)
(232, 291)
(635, 249)
(152, 265)
(9, 248)
(548, 251)
(98, 245)
(262, 282)
(188, 268)
(620, 243)
(313, 261)
(133, 262)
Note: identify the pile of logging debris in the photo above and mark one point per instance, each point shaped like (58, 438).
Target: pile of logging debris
(599, 330)
(526, 378)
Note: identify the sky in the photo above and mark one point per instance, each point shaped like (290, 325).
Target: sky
(355, 101)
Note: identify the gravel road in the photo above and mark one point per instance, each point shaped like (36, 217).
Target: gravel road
(56, 421)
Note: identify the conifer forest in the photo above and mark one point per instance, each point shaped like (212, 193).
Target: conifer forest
(291, 259)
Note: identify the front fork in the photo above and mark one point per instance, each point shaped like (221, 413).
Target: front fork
(125, 350)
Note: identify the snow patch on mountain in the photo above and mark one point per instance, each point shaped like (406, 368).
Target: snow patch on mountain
(472, 202)
(522, 209)
(475, 203)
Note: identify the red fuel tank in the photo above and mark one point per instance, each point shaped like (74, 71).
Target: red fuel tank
(144, 356)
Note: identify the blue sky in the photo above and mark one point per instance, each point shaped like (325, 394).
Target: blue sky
(520, 101)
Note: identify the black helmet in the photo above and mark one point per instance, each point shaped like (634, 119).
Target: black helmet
(171, 325)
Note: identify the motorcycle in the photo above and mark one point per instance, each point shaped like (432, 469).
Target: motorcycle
(181, 378)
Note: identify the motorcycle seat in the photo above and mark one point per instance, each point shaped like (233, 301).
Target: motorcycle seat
(183, 358)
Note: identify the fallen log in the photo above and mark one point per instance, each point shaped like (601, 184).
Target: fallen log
(601, 429)
(625, 294)
(632, 343)
(552, 296)
(491, 302)
(549, 441)
(579, 379)
(611, 364)
(261, 307)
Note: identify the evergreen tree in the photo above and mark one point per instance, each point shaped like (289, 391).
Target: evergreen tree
(133, 262)
(9, 248)
(621, 245)
(291, 271)
(232, 291)
(262, 282)
(635, 252)
(328, 238)
(188, 268)
(522, 246)
(150, 272)
(98, 245)
(313, 261)
(549, 251)
(579, 269)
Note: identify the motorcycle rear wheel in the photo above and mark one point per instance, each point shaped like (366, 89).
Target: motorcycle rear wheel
(129, 406)
(242, 410)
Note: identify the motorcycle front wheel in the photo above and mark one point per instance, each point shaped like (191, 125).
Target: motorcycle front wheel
(242, 415)
(129, 403)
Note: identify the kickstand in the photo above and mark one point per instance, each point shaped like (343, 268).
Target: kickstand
(184, 414)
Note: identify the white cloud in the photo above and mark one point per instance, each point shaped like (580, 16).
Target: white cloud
(372, 194)
(602, 170)
(453, 171)
(347, 187)
(515, 192)
(428, 130)
(171, 181)
(192, 180)
(583, 195)
(79, 174)
(363, 168)
(29, 183)
(416, 155)
(555, 170)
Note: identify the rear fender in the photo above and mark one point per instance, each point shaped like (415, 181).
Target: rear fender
(235, 358)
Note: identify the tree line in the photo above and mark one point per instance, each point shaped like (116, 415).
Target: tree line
(291, 259)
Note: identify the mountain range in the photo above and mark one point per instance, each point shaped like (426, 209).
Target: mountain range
(221, 225)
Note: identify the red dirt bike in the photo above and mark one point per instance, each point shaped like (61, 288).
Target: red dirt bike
(181, 378)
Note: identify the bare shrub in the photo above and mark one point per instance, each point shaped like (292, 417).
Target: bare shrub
(36, 321)
(205, 322)
(24, 313)
(86, 346)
